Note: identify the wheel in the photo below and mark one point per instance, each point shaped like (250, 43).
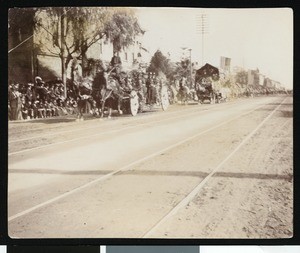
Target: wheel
(164, 98)
(134, 103)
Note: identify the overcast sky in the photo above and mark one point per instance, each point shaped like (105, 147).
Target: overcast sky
(252, 38)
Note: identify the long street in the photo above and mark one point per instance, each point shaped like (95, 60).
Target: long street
(193, 171)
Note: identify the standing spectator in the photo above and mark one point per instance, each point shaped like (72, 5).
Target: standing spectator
(24, 109)
(29, 93)
(30, 109)
(19, 107)
(15, 102)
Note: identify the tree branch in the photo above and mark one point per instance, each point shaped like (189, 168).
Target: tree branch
(50, 51)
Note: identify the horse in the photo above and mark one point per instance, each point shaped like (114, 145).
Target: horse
(184, 94)
(107, 93)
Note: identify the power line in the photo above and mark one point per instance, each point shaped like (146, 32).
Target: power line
(20, 44)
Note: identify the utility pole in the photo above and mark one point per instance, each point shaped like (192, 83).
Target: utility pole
(32, 57)
(202, 28)
(62, 51)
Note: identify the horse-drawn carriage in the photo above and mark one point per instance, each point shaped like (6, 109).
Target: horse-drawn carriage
(204, 84)
(123, 92)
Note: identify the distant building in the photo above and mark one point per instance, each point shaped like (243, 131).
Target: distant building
(261, 79)
(131, 56)
(253, 77)
(225, 64)
(268, 83)
(25, 62)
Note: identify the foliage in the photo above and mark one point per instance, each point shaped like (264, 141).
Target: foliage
(241, 77)
(122, 28)
(84, 26)
(183, 69)
(160, 63)
(21, 18)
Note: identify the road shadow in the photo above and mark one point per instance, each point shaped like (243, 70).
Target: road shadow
(205, 174)
(287, 177)
(200, 174)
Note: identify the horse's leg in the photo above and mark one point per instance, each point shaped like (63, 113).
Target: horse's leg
(119, 106)
(102, 108)
(83, 108)
(78, 110)
(109, 112)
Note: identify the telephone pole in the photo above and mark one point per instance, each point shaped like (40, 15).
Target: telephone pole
(62, 50)
(202, 28)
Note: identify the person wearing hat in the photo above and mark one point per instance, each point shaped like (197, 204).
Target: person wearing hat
(116, 65)
(29, 96)
(39, 88)
(116, 60)
(15, 102)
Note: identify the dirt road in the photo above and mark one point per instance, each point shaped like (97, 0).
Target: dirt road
(197, 171)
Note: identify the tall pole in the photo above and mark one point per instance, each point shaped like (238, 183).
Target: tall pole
(62, 51)
(202, 28)
(32, 57)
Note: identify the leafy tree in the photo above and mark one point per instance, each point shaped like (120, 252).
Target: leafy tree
(160, 63)
(21, 19)
(69, 32)
(241, 77)
(122, 28)
(183, 69)
(20, 44)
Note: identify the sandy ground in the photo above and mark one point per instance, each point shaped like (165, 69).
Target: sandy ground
(250, 196)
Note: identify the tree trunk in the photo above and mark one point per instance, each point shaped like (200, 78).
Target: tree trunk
(85, 69)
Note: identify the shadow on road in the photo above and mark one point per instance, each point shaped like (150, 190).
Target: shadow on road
(204, 174)
(155, 173)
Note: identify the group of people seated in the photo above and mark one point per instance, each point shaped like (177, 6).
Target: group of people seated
(40, 100)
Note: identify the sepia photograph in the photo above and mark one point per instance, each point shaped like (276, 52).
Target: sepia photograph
(150, 122)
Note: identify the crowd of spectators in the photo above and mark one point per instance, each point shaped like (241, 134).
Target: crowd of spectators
(40, 100)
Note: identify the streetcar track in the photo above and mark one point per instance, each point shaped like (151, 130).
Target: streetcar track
(209, 108)
(128, 166)
(197, 189)
(94, 127)
(76, 130)
(115, 130)
(74, 123)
